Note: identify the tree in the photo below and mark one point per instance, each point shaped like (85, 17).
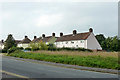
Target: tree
(118, 44)
(100, 38)
(103, 45)
(115, 45)
(108, 42)
(34, 46)
(111, 44)
(10, 42)
(43, 46)
(39, 45)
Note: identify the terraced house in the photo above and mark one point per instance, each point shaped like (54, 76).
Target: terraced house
(83, 40)
(75, 40)
(23, 43)
(46, 39)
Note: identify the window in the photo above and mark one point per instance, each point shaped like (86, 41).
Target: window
(66, 42)
(82, 41)
(72, 42)
(77, 46)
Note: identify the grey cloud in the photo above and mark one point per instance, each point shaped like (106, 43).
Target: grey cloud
(76, 15)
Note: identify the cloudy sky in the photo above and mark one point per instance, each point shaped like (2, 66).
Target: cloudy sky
(36, 18)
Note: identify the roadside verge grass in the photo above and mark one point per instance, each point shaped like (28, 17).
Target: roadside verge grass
(89, 61)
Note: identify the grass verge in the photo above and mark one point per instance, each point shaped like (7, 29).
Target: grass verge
(89, 61)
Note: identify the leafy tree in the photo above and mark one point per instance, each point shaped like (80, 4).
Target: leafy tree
(103, 45)
(43, 46)
(40, 45)
(115, 45)
(34, 46)
(10, 42)
(118, 44)
(100, 38)
(110, 43)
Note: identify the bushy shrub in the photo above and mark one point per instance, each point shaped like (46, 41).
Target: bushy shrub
(20, 48)
(73, 49)
(52, 47)
(28, 48)
(35, 49)
(12, 49)
(4, 51)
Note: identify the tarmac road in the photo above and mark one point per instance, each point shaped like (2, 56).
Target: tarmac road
(24, 69)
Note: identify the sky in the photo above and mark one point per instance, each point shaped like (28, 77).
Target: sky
(37, 18)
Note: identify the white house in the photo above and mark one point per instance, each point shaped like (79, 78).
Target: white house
(24, 43)
(1, 44)
(78, 40)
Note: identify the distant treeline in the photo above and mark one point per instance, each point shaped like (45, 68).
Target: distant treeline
(109, 43)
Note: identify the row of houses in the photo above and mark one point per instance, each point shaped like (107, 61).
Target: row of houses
(75, 40)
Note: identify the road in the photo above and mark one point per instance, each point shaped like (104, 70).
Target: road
(24, 69)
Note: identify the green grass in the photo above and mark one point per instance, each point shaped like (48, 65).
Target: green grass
(90, 61)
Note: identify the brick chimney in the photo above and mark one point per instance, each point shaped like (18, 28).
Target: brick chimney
(25, 36)
(74, 32)
(35, 37)
(90, 30)
(53, 34)
(61, 34)
(43, 35)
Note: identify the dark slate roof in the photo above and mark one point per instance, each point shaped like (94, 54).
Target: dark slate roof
(79, 36)
(37, 39)
(45, 39)
(1, 42)
(26, 40)
(17, 41)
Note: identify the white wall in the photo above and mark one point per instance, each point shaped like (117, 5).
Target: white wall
(92, 43)
(1, 46)
(23, 45)
(72, 44)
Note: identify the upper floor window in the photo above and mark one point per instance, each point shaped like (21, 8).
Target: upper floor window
(82, 41)
(72, 42)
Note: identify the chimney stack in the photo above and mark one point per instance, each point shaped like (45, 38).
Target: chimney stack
(2, 41)
(35, 37)
(61, 34)
(43, 35)
(53, 34)
(90, 30)
(25, 36)
(74, 32)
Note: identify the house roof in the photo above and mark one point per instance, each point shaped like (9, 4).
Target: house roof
(37, 39)
(17, 41)
(26, 40)
(45, 39)
(79, 36)
(1, 42)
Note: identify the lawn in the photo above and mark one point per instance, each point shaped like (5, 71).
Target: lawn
(107, 60)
